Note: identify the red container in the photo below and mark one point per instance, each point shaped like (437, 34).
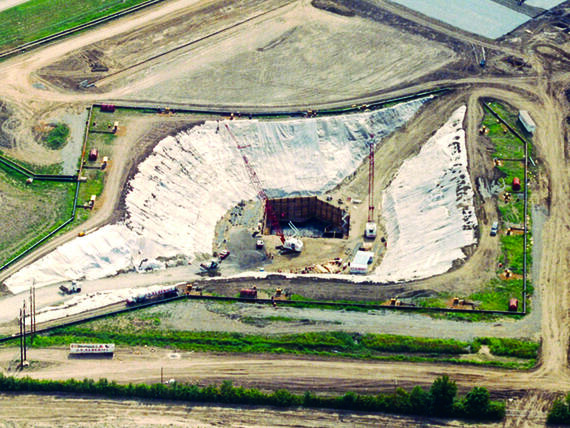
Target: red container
(516, 184)
(93, 155)
(248, 293)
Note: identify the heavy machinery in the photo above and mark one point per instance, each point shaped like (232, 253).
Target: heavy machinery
(289, 244)
(75, 287)
(212, 266)
(370, 228)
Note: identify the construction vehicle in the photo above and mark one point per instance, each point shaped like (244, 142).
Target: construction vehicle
(212, 266)
(281, 294)
(291, 244)
(192, 290)
(370, 228)
(461, 303)
(75, 287)
(224, 254)
(494, 228)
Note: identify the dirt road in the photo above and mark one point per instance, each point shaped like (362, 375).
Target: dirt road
(538, 92)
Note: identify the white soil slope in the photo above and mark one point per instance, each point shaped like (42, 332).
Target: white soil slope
(191, 180)
(428, 208)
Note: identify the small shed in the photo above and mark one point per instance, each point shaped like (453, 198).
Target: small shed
(513, 305)
(110, 108)
(516, 184)
(527, 121)
(93, 153)
(248, 293)
(361, 261)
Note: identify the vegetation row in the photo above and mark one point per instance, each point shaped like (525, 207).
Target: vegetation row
(334, 344)
(441, 399)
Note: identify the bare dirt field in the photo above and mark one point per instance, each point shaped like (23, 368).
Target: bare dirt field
(292, 51)
(285, 53)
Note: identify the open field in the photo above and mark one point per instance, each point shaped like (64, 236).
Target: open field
(280, 55)
(45, 205)
(34, 19)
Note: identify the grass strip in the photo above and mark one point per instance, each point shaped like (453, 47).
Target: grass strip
(329, 344)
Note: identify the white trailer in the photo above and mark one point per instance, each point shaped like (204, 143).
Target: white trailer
(361, 262)
(527, 121)
(91, 348)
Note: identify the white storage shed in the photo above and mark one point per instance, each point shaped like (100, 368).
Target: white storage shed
(361, 261)
(527, 121)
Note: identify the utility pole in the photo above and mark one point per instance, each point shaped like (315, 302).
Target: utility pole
(32, 310)
(24, 329)
(162, 375)
(21, 342)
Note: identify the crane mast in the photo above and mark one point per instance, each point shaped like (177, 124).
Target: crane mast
(256, 183)
(370, 229)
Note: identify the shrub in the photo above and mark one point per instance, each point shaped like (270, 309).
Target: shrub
(57, 137)
(442, 393)
(559, 412)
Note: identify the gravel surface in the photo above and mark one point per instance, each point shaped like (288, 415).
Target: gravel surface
(71, 152)
(197, 316)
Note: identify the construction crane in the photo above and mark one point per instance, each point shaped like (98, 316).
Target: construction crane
(370, 229)
(291, 243)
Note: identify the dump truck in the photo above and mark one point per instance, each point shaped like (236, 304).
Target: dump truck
(75, 287)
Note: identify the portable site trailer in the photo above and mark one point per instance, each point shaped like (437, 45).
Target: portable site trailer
(91, 348)
(361, 261)
(527, 121)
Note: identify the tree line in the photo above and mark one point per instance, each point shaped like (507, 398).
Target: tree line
(440, 400)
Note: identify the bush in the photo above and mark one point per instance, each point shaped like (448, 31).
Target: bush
(559, 412)
(476, 402)
(57, 137)
(442, 394)
(510, 347)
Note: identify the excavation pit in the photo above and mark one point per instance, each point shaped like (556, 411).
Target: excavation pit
(313, 217)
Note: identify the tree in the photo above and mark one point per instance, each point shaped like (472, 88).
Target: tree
(419, 401)
(442, 394)
(559, 413)
(476, 402)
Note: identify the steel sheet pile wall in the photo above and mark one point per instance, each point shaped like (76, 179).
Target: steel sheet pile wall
(300, 209)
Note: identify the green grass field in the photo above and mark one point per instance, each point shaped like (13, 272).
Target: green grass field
(32, 210)
(40, 18)
(144, 328)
